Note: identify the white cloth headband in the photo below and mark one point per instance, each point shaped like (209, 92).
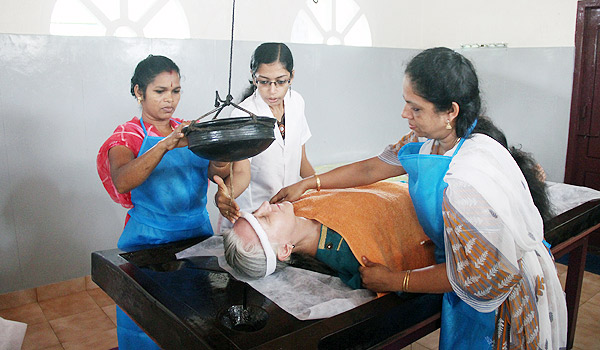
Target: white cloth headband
(264, 241)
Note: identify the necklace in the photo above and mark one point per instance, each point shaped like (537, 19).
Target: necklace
(281, 125)
(438, 149)
(455, 143)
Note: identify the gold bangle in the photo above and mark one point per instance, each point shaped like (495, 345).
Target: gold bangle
(318, 182)
(406, 281)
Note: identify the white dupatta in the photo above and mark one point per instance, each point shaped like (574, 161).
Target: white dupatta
(494, 249)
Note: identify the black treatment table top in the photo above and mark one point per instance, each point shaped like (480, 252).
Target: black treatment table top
(181, 303)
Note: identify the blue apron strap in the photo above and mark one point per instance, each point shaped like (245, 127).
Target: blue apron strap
(465, 137)
(144, 127)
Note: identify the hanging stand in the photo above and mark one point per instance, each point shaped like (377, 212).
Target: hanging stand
(230, 139)
(219, 103)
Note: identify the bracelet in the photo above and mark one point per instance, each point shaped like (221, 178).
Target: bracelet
(406, 280)
(318, 182)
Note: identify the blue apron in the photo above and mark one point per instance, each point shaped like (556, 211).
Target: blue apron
(169, 206)
(462, 326)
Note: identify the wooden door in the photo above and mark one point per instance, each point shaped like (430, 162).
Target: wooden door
(583, 150)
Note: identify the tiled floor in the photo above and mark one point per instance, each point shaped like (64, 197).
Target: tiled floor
(76, 314)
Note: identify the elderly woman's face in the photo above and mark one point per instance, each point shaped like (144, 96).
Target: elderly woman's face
(272, 81)
(422, 116)
(276, 219)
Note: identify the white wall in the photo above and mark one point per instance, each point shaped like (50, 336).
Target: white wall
(60, 97)
(394, 23)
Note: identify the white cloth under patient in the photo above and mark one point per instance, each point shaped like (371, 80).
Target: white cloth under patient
(564, 197)
(305, 294)
(12, 334)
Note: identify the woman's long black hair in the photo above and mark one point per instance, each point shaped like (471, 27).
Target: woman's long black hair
(442, 76)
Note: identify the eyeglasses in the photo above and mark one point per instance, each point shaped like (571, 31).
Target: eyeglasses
(267, 83)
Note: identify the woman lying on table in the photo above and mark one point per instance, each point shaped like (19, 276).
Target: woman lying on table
(307, 226)
(336, 227)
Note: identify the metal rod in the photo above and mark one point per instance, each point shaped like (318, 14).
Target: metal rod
(219, 103)
(231, 47)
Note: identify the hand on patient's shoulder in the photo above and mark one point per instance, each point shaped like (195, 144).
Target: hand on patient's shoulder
(293, 192)
(376, 277)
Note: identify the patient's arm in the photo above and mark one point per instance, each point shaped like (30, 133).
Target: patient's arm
(352, 175)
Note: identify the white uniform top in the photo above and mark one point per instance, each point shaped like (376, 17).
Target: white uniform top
(279, 165)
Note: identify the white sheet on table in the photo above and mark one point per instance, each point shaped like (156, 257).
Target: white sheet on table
(304, 294)
(564, 197)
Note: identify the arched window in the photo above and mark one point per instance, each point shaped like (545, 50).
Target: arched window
(124, 18)
(332, 22)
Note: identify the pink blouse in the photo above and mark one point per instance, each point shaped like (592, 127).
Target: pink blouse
(130, 135)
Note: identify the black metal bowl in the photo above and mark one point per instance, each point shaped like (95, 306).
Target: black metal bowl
(230, 139)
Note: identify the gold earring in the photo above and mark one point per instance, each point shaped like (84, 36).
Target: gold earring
(448, 126)
(140, 100)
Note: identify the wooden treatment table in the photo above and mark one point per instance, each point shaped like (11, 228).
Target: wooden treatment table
(181, 303)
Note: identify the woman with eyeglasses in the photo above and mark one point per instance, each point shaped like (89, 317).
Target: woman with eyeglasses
(270, 94)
